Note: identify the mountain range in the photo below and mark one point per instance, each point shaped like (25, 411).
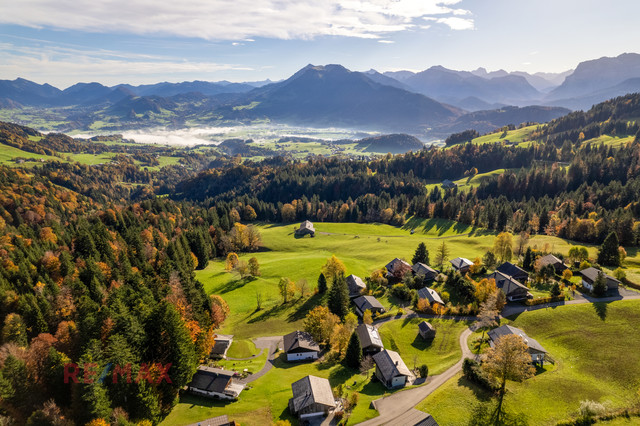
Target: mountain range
(434, 101)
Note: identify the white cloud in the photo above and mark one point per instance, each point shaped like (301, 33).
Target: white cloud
(233, 20)
(456, 23)
(65, 66)
(386, 41)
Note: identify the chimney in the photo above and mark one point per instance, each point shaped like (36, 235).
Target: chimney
(396, 363)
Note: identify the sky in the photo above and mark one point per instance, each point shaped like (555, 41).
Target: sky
(148, 41)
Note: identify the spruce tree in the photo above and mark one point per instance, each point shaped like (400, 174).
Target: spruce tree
(338, 302)
(529, 259)
(608, 254)
(322, 284)
(353, 356)
(421, 255)
(600, 285)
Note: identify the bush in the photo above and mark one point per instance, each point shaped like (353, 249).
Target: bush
(423, 370)
(543, 300)
(401, 291)
(471, 371)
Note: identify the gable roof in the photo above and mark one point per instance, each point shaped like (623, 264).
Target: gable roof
(592, 274)
(413, 417)
(307, 225)
(355, 284)
(460, 262)
(550, 260)
(395, 263)
(367, 302)
(448, 184)
(390, 364)
(211, 379)
(515, 271)
(508, 284)
(222, 420)
(430, 294)
(299, 340)
(220, 347)
(504, 330)
(311, 390)
(423, 269)
(369, 336)
(425, 326)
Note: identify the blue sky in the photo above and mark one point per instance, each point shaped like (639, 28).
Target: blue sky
(146, 41)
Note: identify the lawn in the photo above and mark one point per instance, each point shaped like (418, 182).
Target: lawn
(513, 136)
(439, 354)
(597, 353)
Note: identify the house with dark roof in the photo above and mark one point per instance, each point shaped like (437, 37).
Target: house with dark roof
(370, 340)
(370, 303)
(306, 228)
(215, 383)
(300, 346)
(397, 267)
(557, 264)
(427, 272)
(312, 396)
(356, 285)
(391, 369)
(447, 184)
(590, 275)
(426, 330)
(221, 345)
(536, 350)
(461, 264)
(215, 421)
(514, 271)
(431, 295)
(415, 417)
(512, 288)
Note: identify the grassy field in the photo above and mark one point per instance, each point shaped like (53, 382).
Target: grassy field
(513, 136)
(439, 354)
(597, 352)
(466, 183)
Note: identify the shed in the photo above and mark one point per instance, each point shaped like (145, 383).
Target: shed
(426, 330)
(306, 228)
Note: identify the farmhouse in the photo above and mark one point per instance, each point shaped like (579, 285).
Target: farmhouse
(300, 346)
(221, 346)
(215, 421)
(431, 295)
(356, 285)
(554, 261)
(215, 382)
(512, 288)
(428, 273)
(370, 340)
(447, 184)
(370, 303)
(426, 330)
(312, 396)
(397, 268)
(536, 350)
(306, 227)
(590, 275)
(514, 271)
(461, 264)
(391, 369)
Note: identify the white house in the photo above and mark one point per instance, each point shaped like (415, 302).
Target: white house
(300, 346)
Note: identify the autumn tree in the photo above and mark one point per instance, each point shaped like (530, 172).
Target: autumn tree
(578, 254)
(287, 289)
(333, 269)
(503, 246)
(442, 254)
(320, 322)
(367, 318)
(509, 359)
(303, 287)
(231, 262)
(254, 267)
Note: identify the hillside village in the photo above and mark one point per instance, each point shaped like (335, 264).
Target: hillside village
(510, 279)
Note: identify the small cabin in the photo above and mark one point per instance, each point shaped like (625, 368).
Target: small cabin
(426, 330)
(306, 228)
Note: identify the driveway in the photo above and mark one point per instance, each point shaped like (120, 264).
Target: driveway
(271, 344)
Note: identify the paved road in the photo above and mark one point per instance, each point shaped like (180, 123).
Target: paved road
(399, 403)
(271, 345)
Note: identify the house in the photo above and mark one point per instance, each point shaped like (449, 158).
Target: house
(397, 268)
(312, 396)
(370, 303)
(215, 421)
(415, 417)
(391, 369)
(300, 346)
(426, 330)
(356, 285)
(536, 350)
(554, 261)
(512, 288)
(514, 271)
(427, 272)
(306, 227)
(370, 340)
(461, 264)
(447, 184)
(431, 295)
(221, 346)
(215, 382)
(590, 275)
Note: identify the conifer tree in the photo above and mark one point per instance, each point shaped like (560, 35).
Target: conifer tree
(609, 254)
(322, 284)
(353, 355)
(421, 255)
(338, 302)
